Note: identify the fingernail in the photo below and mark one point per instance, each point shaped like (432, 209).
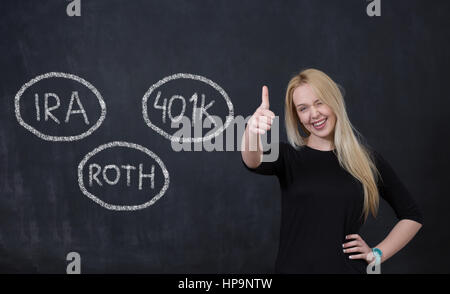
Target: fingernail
(343, 245)
(343, 250)
(350, 257)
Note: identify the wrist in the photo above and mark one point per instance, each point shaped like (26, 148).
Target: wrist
(378, 254)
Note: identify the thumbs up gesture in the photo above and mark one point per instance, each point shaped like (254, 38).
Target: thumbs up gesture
(261, 120)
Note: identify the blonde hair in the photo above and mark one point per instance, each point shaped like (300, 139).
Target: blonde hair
(353, 156)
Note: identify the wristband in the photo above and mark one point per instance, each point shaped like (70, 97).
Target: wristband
(378, 254)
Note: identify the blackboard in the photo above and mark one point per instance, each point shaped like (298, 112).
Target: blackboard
(199, 211)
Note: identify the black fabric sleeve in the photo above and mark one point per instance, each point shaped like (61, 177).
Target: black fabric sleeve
(395, 192)
(276, 167)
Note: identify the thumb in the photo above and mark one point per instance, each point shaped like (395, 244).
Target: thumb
(265, 98)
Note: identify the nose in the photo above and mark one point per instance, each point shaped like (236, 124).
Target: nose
(315, 113)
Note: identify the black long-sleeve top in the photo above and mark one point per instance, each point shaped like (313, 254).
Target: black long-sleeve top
(321, 203)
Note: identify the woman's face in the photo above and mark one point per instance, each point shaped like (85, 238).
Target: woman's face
(311, 110)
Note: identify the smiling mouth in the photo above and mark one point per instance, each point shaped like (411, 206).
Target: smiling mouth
(320, 124)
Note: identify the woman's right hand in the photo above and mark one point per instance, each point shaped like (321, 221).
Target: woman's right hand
(261, 120)
(259, 123)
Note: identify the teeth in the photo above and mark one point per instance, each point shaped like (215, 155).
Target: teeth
(320, 123)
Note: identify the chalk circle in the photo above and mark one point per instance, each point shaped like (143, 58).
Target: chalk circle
(192, 77)
(122, 207)
(65, 76)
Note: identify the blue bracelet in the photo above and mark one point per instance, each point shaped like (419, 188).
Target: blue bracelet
(378, 254)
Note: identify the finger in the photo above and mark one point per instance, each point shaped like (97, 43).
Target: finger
(263, 118)
(256, 130)
(370, 257)
(261, 124)
(353, 249)
(265, 98)
(264, 126)
(351, 244)
(353, 236)
(258, 117)
(254, 122)
(266, 112)
(358, 256)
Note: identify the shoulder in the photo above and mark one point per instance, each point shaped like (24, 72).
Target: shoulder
(376, 156)
(291, 152)
(280, 150)
(281, 145)
(383, 166)
(287, 148)
(381, 162)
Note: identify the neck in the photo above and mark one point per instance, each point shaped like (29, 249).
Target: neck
(320, 143)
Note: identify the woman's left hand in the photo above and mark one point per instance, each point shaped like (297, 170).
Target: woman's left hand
(358, 246)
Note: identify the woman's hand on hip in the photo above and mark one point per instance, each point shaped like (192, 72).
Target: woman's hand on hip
(358, 248)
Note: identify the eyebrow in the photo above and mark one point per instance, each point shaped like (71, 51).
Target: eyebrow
(304, 104)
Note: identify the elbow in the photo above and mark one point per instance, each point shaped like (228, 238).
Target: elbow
(419, 225)
(415, 217)
(251, 161)
(418, 222)
(252, 165)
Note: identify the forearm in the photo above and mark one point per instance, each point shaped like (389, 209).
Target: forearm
(399, 236)
(251, 149)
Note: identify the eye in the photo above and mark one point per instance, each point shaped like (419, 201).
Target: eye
(319, 103)
(302, 108)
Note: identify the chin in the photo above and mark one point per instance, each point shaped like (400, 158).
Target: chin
(322, 135)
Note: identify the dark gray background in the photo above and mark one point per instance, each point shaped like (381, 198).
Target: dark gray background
(216, 217)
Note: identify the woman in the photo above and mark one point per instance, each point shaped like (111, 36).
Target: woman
(330, 182)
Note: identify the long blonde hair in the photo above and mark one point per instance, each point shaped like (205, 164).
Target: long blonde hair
(353, 156)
